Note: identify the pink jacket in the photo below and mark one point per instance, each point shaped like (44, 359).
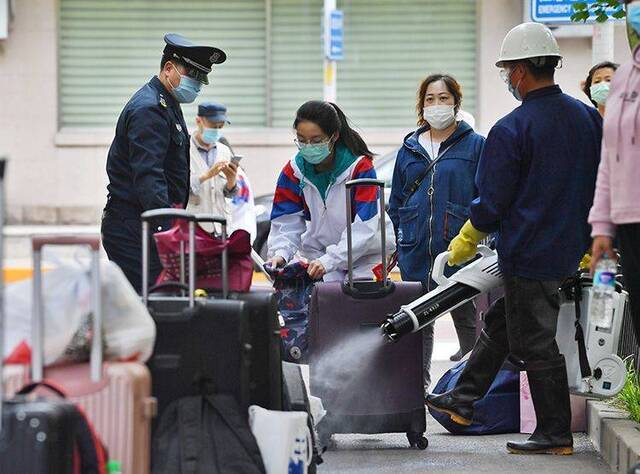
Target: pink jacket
(617, 198)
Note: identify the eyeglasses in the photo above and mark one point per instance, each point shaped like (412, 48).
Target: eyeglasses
(505, 74)
(316, 141)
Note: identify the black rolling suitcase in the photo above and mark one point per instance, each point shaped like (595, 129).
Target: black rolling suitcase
(202, 345)
(265, 387)
(35, 436)
(365, 385)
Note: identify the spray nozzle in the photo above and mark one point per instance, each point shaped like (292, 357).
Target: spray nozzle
(388, 331)
(396, 325)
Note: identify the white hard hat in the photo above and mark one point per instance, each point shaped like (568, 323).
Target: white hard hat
(526, 41)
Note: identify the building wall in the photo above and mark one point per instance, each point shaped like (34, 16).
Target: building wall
(58, 176)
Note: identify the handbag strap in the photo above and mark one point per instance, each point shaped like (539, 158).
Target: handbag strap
(585, 368)
(418, 181)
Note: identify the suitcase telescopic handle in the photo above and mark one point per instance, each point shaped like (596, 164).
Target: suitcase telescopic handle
(383, 237)
(3, 163)
(225, 254)
(169, 213)
(37, 323)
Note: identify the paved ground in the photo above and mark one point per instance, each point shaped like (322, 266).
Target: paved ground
(388, 453)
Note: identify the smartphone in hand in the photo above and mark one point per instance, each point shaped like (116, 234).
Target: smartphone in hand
(236, 159)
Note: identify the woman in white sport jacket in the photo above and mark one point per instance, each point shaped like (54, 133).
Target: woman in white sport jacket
(308, 219)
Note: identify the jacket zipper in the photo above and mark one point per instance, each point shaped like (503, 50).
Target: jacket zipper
(430, 192)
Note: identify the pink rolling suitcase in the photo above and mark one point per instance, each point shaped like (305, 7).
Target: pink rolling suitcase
(116, 396)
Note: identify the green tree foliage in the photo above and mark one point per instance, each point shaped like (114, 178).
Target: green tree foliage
(583, 10)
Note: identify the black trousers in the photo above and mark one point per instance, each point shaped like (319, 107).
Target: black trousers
(524, 321)
(629, 241)
(122, 240)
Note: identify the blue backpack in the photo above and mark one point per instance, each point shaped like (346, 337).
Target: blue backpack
(498, 412)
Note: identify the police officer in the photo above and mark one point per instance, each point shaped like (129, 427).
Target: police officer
(148, 162)
(535, 179)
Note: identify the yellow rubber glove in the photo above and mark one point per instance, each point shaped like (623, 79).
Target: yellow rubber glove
(464, 246)
(585, 263)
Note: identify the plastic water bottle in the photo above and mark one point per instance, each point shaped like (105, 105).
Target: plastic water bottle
(604, 287)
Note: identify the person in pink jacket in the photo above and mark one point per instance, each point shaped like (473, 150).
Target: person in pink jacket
(616, 206)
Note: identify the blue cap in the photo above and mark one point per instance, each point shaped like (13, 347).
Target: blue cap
(213, 111)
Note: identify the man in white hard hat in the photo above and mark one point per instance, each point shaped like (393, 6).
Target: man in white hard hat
(536, 180)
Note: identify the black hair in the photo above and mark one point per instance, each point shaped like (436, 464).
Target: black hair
(331, 119)
(587, 83)
(166, 58)
(542, 68)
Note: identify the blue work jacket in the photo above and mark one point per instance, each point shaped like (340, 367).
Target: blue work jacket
(536, 179)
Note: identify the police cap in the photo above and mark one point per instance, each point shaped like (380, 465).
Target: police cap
(198, 58)
(213, 111)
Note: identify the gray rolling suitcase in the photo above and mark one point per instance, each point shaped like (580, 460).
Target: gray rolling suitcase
(373, 389)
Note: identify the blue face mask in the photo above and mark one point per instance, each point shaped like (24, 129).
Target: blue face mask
(187, 91)
(211, 135)
(514, 89)
(315, 153)
(633, 16)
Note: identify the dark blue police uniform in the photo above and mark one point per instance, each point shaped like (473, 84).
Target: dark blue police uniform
(148, 161)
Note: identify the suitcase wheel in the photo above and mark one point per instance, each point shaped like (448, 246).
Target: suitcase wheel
(417, 440)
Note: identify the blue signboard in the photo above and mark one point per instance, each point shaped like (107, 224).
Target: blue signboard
(557, 11)
(334, 45)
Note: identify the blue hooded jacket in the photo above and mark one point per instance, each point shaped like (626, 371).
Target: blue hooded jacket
(436, 211)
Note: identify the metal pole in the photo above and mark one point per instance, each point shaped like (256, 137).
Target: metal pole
(2, 312)
(96, 343)
(192, 262)
(602, 43)
(349, 239)
(37, 360)
(182, 264)
(330, 67)
(383, 238)
(145, 263)
(225, 264)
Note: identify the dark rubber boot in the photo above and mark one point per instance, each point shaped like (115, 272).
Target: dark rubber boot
(550, 395)
(485, 361)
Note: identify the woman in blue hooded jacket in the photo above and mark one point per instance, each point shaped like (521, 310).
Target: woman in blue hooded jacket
(426, 216)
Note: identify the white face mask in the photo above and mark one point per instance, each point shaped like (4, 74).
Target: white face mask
(439, 117)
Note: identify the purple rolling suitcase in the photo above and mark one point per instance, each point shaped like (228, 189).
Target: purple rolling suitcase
(366, 385)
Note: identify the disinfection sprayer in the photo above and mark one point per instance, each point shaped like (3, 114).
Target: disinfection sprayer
(478, 277)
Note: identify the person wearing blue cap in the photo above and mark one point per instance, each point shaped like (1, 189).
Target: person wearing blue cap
(218, 185)
(148, 161)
